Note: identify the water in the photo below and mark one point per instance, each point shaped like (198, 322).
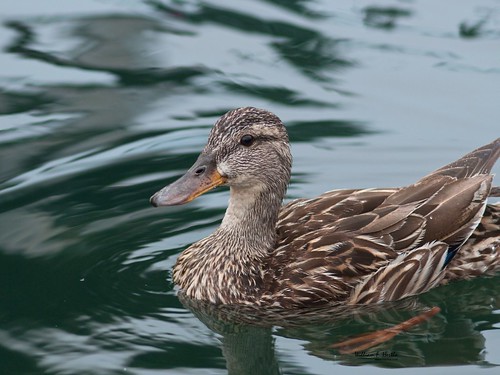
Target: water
(104, 102)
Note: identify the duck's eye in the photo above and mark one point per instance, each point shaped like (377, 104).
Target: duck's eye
(247, 140)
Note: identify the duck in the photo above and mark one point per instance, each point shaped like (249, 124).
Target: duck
(346, 246)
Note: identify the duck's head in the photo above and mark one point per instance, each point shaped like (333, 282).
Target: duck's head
(247, 149)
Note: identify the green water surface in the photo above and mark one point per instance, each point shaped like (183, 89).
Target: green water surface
(104, 102)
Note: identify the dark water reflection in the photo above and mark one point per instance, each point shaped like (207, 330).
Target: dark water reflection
(449, 338)
(101, 104)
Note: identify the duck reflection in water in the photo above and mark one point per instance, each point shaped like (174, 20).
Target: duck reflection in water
(248, 335)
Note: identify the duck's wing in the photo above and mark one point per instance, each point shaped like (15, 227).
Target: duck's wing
(320, 259)
(303, 216)
(453, 198)
(419, 270)
(328, 245)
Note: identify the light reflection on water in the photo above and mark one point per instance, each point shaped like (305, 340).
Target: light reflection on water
(102, 103)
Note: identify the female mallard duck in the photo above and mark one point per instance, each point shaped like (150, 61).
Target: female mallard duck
(350, 246)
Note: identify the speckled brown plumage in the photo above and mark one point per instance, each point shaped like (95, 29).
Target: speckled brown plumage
(357, 246)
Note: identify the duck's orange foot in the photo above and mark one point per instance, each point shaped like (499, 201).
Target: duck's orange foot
(369, 340)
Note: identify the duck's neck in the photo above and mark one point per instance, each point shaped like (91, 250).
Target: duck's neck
(227, 266)
(250, 220)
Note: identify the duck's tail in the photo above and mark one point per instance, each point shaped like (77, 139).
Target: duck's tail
(477, 162)
(474, 165)
(495, 191)
(480, 255)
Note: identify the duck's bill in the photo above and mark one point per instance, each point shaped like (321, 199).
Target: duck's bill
(201, 177)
